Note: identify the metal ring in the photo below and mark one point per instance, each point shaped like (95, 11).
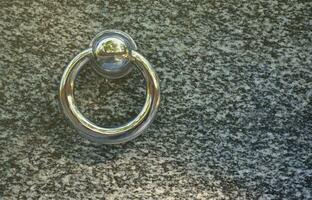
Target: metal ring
(109, 135)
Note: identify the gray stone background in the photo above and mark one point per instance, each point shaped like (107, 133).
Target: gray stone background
(235, 120)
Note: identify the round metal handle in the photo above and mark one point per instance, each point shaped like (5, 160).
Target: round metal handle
(118, 134)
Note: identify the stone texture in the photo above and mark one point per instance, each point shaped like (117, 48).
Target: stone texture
(235, 119)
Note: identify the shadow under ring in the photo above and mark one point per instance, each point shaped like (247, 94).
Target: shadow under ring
(118, 134)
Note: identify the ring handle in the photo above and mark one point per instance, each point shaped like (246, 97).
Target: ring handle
(119, 134)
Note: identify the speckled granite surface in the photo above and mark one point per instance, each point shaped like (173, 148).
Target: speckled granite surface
(235, 119)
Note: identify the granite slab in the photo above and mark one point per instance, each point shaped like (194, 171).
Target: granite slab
(235, 120)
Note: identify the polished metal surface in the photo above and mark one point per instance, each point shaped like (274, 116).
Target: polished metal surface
(111, 51)
(102, 49)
